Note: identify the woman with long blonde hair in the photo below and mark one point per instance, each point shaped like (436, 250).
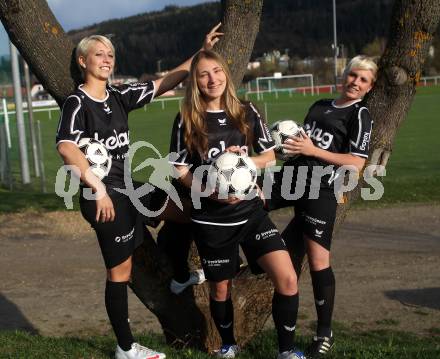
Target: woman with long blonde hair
(213, 121)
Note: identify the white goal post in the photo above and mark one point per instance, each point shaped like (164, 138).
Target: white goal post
(272, 79)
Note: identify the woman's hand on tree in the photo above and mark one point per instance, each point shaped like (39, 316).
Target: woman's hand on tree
(212, 38)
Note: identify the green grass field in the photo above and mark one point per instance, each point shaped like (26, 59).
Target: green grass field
(369, 345)
(413, 175)
(413, 172)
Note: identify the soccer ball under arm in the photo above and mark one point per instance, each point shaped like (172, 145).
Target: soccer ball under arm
(96, 153)
(280, 132)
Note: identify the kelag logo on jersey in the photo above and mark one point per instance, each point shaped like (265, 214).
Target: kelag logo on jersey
(117, 141)
(213, 152)
(322, 138)
(365, 140)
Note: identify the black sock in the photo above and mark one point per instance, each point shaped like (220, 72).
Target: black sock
(223, 315)
(284, 314)
(175, 240)
(116, 303)
(323, 282)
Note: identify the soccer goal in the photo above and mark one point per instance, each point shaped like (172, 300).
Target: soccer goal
(291, 83)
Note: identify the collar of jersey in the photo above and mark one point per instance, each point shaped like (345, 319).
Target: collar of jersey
(345, 106)
(91, 97)
(215, 111)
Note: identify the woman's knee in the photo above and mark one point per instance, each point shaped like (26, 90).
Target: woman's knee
(318, 261)
(316, 264)
(286, 284)
(121, 272)
(220, 291)
(318, 256)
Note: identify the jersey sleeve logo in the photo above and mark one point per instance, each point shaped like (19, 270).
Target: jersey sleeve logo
(365, 141)
(363, 134)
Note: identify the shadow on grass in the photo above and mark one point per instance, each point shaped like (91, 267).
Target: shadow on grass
(425, 297)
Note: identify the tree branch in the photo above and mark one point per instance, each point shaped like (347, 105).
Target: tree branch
(42, 42)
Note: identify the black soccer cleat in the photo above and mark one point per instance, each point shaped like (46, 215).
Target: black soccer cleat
(320, 347)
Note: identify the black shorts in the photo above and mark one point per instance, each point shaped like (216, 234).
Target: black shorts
(220, 255)
(314, 217)
(119, 239)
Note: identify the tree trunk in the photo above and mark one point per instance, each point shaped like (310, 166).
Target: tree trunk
(240, 23)
(413, 24)
(36, 33)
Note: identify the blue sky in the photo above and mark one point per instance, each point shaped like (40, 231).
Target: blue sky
(80, 13)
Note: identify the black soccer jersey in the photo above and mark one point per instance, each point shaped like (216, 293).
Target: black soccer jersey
(338, 129)
(221, 135)
(105, 120)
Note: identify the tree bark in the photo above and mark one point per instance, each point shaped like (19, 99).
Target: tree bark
(240, 23)
(413, 24)
(42, 42)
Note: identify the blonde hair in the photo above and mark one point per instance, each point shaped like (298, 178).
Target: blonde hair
(82, 49)
(364, 63)
(193, 111)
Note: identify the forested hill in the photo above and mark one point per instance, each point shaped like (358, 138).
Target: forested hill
(305, 27)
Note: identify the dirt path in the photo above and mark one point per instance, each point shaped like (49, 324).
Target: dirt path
(386, 263)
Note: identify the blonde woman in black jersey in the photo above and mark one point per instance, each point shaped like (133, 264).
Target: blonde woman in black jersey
(336, 133)
(100, 111)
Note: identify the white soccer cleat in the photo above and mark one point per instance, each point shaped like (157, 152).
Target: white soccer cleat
(291, 354)
(138, 351)
(228, 351)
(196, 277)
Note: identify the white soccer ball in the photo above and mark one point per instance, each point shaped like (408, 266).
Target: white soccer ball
(280, 132)
(96, 153)
(232, 174)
